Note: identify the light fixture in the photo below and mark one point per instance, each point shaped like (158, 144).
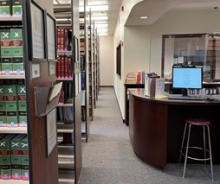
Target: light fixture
(144, 17)
(63, 19)
(102, 34)
(100, 18)
(94, 8)
(101, 25)
(95, 18)
(102, 30)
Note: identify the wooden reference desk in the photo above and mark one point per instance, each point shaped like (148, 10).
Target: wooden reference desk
(156, 126)
(126, 100)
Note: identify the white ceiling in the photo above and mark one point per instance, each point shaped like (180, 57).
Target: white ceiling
(154, 9)
(112, 13)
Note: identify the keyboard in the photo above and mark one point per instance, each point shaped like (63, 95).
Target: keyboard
(180, 97)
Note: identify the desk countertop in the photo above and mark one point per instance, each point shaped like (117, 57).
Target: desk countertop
(139, 92)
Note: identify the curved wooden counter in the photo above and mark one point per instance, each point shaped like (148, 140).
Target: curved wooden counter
(156, 126)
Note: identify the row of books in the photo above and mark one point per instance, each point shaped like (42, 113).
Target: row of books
(11, 55)
(13, 109)
(64, 67)
(10, 8)
(66, 94)
(135, 77)
(14, 160)
(63, 40)
(204, 91)
(65, 114)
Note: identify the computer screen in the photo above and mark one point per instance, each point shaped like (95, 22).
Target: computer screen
(187, 77)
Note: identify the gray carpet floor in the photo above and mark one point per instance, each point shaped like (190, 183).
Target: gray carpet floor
(108, 157)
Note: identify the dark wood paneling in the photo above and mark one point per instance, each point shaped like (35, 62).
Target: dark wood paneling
(176, 117)
(44, 169)
(148, 130)
(126, 101)
(156, 128)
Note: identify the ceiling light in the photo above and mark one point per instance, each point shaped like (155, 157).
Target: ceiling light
(102, 34)
(94, 8)
(63, 19)
(101, 25)
(143, 17)
(95, 18)
(100, 18)
(102, 30)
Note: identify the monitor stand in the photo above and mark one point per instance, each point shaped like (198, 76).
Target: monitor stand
(184, 92)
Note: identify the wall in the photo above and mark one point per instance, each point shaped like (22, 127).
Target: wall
(119, 37)
(136, 49)
(106, 60)
(179, 22)
(143, 44)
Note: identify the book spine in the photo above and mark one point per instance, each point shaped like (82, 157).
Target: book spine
(70, 72)
(62, 66)
(58, 68)
(61, 39)
(65, 41)
(58, 40)
(66, 72)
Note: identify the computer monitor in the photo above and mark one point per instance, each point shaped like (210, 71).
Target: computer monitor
(187, 78)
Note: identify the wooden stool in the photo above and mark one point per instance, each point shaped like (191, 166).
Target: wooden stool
(204, 124)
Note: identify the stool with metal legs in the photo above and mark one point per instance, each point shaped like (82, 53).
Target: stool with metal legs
(204, 124)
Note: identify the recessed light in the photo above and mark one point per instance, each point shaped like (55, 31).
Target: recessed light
(143, 17)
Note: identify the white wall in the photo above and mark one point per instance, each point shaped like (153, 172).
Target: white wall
(119, 37)
(143, 44)
(136, 49)
(179, 22)
(106, 60)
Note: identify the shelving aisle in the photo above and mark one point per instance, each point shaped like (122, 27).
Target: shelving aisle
(109, 157)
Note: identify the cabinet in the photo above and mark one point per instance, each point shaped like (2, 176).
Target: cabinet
(126, 100)
(69, 108)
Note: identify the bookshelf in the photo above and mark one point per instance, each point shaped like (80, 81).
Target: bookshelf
(90, 67)
(93, 54)
(69, 106)
(17, 73)
(13, 182)
(97, 69)
(213, 57)
(84, 56)
(97, 72)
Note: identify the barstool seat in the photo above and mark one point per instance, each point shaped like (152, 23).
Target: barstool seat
(189, 122)
(198, 122)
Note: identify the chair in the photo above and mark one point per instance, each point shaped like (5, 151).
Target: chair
(205, 125)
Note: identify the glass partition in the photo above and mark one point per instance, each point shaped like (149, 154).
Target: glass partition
(192, 49)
